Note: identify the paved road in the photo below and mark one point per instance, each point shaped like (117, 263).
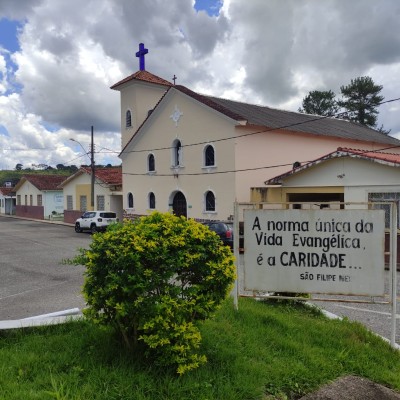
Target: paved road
(32, 280)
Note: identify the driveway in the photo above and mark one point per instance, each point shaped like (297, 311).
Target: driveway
(32, 279)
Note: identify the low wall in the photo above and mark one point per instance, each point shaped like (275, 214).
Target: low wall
(34, 212)
(70, 216)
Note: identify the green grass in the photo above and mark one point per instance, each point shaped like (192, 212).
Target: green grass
(263, 351)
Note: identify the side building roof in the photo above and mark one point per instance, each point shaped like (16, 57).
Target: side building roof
(108, 175)
(42, 182)
(380, 157)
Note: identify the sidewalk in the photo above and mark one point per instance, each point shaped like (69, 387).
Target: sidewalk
(48, 221)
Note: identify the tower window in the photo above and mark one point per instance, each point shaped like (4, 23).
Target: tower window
(128, 120)
(152, 201)
(130, 200)
(151, 164)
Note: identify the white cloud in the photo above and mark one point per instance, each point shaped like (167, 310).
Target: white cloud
(272, 52)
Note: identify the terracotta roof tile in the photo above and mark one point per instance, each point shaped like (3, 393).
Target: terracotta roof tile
(45, 182)
(144, 76)
(7, 191)
(110, 176)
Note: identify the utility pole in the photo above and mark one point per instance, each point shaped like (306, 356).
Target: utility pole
(92, 170)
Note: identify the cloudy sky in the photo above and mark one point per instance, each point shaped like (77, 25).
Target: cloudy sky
(59, 58)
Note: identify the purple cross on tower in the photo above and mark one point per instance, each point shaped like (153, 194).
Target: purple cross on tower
(142, 51)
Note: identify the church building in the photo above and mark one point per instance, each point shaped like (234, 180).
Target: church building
(195, 155)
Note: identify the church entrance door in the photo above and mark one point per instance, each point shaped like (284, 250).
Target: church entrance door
(179, 205)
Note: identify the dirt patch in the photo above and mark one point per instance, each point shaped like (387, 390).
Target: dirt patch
(353, 388)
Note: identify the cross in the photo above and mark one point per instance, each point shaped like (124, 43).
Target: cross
(142, 51)
(174, 79)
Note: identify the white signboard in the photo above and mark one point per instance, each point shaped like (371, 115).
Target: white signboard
(314, 251)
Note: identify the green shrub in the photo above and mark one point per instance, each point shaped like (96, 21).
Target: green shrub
(152, 279)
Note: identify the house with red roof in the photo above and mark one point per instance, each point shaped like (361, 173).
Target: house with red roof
(195, 155)
(7, 200)
(107, 192)
(39, 196)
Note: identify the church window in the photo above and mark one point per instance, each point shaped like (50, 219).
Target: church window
(177, 153)
(152, 201)
(209, 156)
(210, 201)
(130, 200)
(128, 119)
(151, 164)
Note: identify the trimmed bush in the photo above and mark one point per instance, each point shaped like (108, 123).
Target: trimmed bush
(153, 279)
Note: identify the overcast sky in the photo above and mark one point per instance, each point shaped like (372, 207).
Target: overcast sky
(59, 58)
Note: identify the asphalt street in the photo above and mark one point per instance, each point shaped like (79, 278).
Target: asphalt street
(32, 279)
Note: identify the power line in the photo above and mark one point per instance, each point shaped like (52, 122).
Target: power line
(246, 169)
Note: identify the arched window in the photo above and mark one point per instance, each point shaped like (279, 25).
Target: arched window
(152, 201)
(151, 164)
(209, 156)
(128, 119)
(177, 153)
(210, 201)
(130, 200)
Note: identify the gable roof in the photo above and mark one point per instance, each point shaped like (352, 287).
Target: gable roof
(390, 159)
(42, 182)
(143, 76)
(269, 118)
(108, 175)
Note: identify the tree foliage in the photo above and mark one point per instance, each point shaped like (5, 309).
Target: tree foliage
(361, 100)
(320, 103)
(153, 279)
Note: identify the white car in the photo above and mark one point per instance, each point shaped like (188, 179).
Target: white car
(95, 221)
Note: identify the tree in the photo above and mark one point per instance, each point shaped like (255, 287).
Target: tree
(320, 103)
(18, 167)
(361, 99)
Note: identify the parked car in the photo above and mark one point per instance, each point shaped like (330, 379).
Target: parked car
(95, 221)
(224, 230)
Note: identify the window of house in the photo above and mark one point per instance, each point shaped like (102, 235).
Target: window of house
(128, 119)
(18, 200)
(83, 203)
(100, 202)
(151, 163)
(70, 204)
(26, 200)
(39, 200)
(209, 156)
(130, 200)
(210, 201)
(177, 153)
(31, 199)
(152, 201)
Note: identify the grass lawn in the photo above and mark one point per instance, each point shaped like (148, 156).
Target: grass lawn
(266, 350)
